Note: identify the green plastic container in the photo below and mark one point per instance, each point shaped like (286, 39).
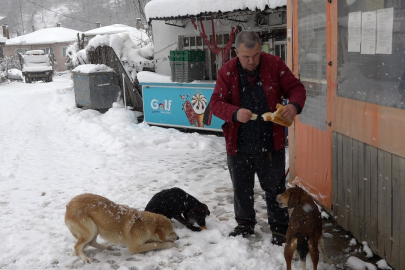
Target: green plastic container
(188, 56)
(187, 66)
(194, 56)
(176, 56)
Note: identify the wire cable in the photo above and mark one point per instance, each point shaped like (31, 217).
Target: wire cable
(59, 13)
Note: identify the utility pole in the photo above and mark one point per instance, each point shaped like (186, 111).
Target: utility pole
(22, 22)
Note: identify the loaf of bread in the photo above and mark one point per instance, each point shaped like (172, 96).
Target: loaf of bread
(276, 117)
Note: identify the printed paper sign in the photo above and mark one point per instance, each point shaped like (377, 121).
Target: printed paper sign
(385, 24)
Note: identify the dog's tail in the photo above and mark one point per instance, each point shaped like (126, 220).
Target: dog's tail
(302, 247)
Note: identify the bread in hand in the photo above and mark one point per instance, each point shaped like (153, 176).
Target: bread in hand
(276, 117)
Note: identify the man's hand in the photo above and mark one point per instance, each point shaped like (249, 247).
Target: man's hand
(289, 111)
(244, 115)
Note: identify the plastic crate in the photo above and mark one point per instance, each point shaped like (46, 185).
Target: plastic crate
(177, 70)
(194, 56)
(193, 71)
(176, 55)
(188, 56)
(187, 66)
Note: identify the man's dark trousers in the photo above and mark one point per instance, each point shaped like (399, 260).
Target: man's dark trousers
(270, 169)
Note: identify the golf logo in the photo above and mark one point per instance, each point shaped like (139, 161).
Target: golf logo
(161, 106)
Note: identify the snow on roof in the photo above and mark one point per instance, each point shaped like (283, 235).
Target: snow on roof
(136, 35)
(92, 68)
(177, 8)
(45, 36)
(3, 39)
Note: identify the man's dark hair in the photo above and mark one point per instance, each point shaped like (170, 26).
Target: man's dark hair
(249, 38)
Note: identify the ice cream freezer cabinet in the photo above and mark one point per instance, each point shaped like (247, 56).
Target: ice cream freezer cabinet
(183, 105)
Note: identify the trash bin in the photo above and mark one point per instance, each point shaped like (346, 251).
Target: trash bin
(96, 90)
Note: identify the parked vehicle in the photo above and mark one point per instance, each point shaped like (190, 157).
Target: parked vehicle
(36, 66)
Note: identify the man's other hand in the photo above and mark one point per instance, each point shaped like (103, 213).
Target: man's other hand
(244, 115)
(289, 111)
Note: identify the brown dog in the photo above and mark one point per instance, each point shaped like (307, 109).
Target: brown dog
(88, 215)
(304, 233)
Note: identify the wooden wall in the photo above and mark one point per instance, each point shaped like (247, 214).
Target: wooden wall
(369, 196)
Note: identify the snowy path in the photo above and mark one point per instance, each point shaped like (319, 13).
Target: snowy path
(51, 151)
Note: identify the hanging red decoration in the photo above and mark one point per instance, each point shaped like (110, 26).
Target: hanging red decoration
(213, 45)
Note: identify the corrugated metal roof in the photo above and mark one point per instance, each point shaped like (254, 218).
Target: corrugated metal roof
(156, 9)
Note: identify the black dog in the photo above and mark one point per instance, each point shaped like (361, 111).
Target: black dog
(178, 204)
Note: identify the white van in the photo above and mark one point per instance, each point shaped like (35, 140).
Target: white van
(36, 66)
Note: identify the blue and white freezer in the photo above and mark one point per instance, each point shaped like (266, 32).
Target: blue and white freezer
(183, 105)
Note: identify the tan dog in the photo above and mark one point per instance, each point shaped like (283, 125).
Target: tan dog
(304, 233)
(88, 215)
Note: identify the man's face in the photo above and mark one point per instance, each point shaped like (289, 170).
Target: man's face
(249, 58)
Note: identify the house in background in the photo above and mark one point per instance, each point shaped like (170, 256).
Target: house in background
(53, 40)
(56, 40)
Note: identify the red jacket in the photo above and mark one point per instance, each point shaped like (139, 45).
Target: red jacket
(278, 81)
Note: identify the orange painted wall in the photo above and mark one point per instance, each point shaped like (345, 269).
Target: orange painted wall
(379, 126)
(313, 162)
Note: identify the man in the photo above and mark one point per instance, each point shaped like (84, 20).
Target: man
(254, 82)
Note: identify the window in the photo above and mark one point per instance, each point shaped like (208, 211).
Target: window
(186, 42)
(376, 78)
(63, 51)
(192, 41)
(280, 49)
(199, 41)
(226, 38)
(312, 61)
(219, 39)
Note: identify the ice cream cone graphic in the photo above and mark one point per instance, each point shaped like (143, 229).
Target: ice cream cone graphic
(199, 103)
(191, 115)
(200, 118)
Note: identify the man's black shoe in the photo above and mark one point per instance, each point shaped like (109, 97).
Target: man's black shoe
(243, 230)
(278, 238)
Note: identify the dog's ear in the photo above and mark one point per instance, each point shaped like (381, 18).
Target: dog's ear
(207, 211)
(160, 232)
(294, 198)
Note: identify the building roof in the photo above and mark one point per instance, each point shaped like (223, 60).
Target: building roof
(136, 35)
(45, 36)
(160, 9)
(3, 40)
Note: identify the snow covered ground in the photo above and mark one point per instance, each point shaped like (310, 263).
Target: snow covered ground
(52, 151)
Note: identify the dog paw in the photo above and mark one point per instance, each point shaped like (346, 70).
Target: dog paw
(169, 244)
(87, 259)
(194, 229)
